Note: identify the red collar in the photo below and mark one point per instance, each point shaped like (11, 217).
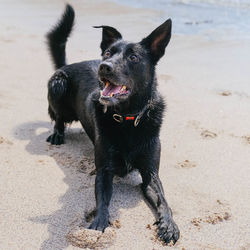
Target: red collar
(133, 117)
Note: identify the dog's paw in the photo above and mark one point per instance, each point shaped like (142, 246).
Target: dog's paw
(167, 230)
(56, 138)
(100, 223)
(58, 84)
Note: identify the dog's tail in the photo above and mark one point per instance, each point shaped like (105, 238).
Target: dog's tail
(58, 36)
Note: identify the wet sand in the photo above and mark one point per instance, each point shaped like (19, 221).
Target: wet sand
(47, 191)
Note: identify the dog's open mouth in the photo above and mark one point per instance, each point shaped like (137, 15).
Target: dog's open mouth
(113, 90)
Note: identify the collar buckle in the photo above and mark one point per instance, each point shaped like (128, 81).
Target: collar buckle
(118, 118)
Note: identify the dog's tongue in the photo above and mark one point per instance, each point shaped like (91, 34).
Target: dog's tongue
(109, 89)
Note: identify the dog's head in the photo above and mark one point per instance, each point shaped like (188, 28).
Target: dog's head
(128, 68)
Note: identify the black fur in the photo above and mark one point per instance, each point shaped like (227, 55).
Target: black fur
(109, 36)
(120, 146)
(58, 36)
(158, 40)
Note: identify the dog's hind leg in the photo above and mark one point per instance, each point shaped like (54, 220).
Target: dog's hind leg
(57, 88)
(57, 85)
(57, 137)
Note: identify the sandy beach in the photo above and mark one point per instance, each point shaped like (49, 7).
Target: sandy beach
(47, 192)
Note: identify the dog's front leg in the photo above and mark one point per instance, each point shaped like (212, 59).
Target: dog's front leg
(103, 193)
(57, 87)
(154, 194)
(103, 190)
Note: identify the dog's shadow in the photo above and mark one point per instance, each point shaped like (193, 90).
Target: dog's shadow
(75, 160)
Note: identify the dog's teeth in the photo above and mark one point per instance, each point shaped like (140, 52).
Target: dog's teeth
(111, 94)
(124, 87)
(107, 84)
(101, 92)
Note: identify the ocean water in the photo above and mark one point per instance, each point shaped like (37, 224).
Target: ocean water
(215, 19)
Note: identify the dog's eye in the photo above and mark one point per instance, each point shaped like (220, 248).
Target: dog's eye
(133, 58)
(107, 54)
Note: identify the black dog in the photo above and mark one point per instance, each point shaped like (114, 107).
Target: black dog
(117, 103)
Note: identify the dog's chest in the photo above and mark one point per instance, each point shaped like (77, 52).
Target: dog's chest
(126, 152)
(123, 169)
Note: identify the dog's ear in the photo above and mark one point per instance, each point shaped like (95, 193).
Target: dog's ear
(158, 40)
(109, 36)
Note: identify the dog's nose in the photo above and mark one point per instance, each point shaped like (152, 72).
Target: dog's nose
(106, 68)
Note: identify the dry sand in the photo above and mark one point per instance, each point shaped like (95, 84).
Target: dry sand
(47, 191)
